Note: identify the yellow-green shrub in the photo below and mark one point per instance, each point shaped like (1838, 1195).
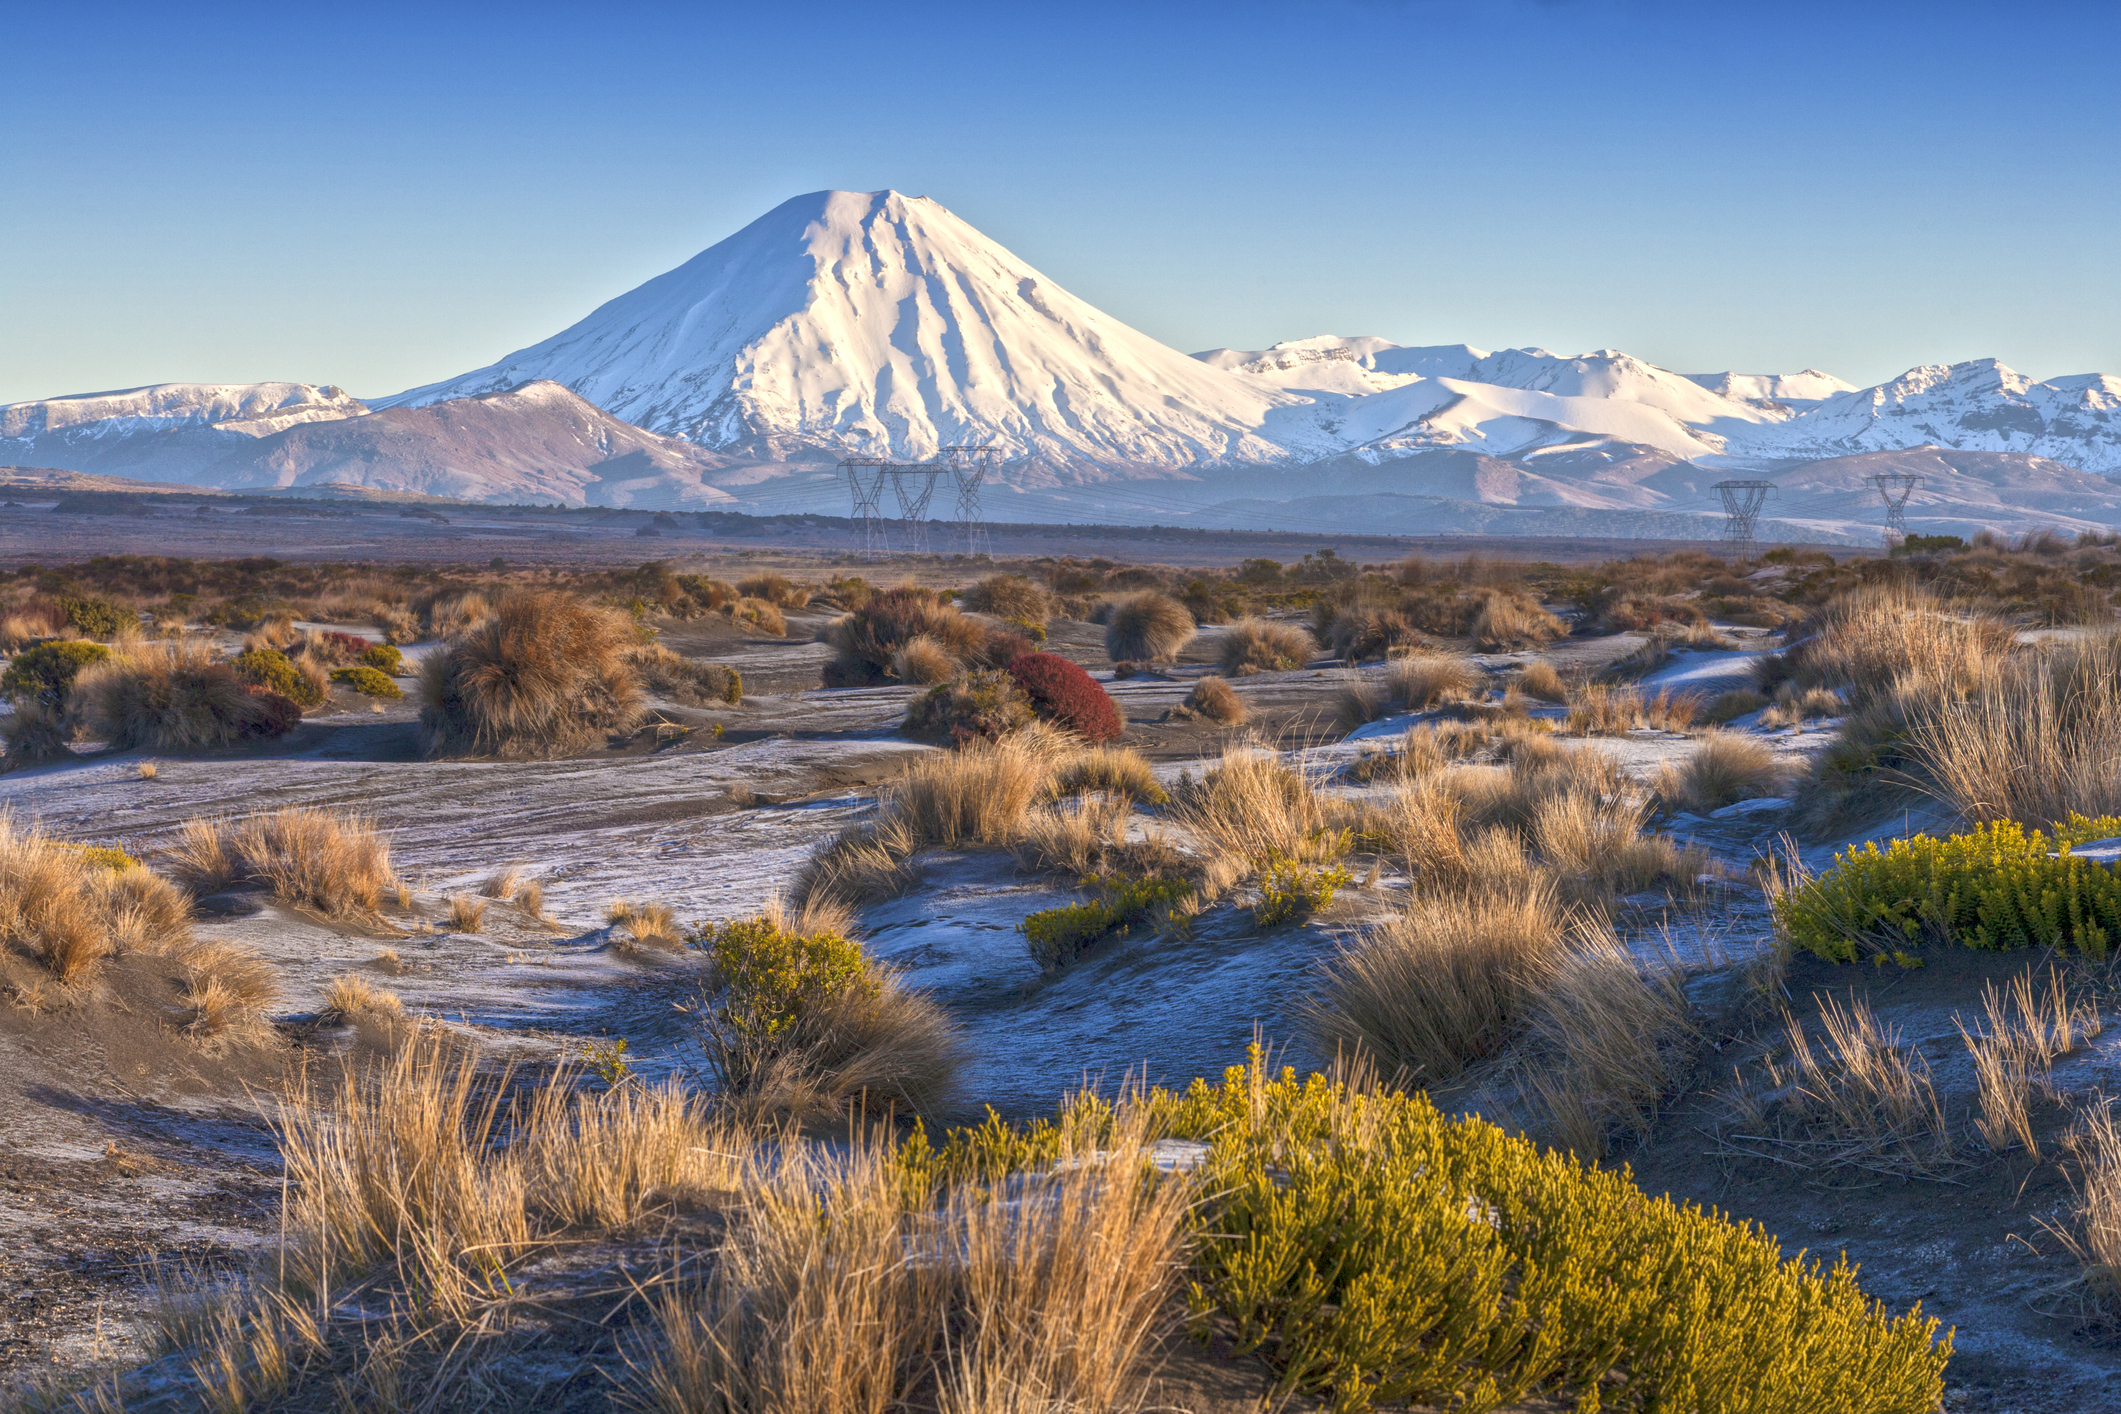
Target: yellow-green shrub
(367, 680)
(771, 975)
(271, 669)
(1996, 886)
(1372, 1249)
(1289, 888)
(383, 657)
(1057, 936)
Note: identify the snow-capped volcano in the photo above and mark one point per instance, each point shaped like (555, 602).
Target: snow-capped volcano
(871, 322)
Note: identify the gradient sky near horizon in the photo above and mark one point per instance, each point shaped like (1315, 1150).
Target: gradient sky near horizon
(381, 196)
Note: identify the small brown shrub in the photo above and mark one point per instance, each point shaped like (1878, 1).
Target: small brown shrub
(1216, 700)
(1253, 645)
(977, 706)
(545, 675)
(1510, 619)
(169, 696)
(758, 615)
(1011, 596)
(1148, 628)
(687, 681)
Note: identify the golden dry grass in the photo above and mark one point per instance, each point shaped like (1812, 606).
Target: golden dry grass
(502, 883)
(861, 865)
(1118, 770)
(350, 998)
(1857, 1096)
(1867, 642)
(1509, 619)
(2094, 1233)
(1216, 700)
(1147, 628)
(924, 661)
(546, 675)
(1252, 807)
(69, 911)
(466, 913)
(1425, 680)
(974, 796)
(1443, 982)
(1254, 645)
(1540, 679)
(36, 736)
(1618, 1038)
(1726, 767)
(2026, 1027)
(2034, 742)
(1600, 710)
(651, 924)
(336, 863)
(452, 615)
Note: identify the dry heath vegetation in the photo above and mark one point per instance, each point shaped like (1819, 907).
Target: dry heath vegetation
(335, 863)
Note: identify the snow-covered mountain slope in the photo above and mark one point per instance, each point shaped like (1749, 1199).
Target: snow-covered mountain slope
(535, 443)
(1980, 406)
(165, 431)
(1783, 394)
(871, 322)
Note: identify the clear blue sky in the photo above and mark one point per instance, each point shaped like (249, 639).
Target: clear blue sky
(377, 196)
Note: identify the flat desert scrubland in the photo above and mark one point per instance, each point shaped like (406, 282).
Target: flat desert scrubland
(1063, 984)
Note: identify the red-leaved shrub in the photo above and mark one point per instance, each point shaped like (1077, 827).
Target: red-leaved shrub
(1066, 696)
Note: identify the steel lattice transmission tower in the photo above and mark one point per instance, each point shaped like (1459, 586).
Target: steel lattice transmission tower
(1742, 501)
(913, 487)
(1894, 487)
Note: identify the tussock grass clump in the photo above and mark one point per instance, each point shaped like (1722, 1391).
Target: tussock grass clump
(984, 705)
(1601, 710)
(69, 909)
(545, 675)
(1724, 768)
(1119, 770)
(1510, 619)
(354, 998)
(1857, 1096)
(776, 589)
(1366, 629)
(1425, 680)
(1793, 708)
(1730, 706)
(1441, 983)
(975, 796)
(1540, 679)
(650, 924)
(687, 681)
(27, 623)
(1011, 596)
(924, 661)
(758, 615)
(1252, 808)
(2036, 741)
(808, 1025)
(335, 863)
(1255, 645)
(2094, 1234)
(35, 737)
(866, 641)
(466, 913)
(1621, 1036)
(174, 696)
(1147, 628)
(451, 615)
(1216, 700)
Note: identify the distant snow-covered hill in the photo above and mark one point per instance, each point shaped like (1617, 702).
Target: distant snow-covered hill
(873, 323)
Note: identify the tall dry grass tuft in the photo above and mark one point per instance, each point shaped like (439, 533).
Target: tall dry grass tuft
(1540, 679)
(1868, 641)
(169, 696)
(336, 863)
(924, 661)
(2014, 1053)
(2035, 741)
(1509, 619)
(816, 1301)
(1619, 1037)
(1117, 770)
(1148, 628)
(651, 924)
(69, 911)
(974, 796)
(2094, 1236)
(1254, 645)
(1253, 807)
(863, 864)
(404, 1166)
(1442, 983)
(1859, 1097)
(546, 675)
(467, 914)
(1725, 768)
(36, 736)
(1216, 700)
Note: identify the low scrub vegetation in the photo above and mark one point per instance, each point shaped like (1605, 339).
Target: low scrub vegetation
(686, 681)
(984, 705)
(1011, 596)
(370, 682)
(176, 696)
(337, 864)
(45, 674)
(1726, 767)
(867, 641)
(805, 1024)
(1058, 936)
(1113, 769)
(1214, 699)
(1060, 692)
(1254, 645)
(1996, 886)
(268, 669)
(1148, 628)
(545, 674)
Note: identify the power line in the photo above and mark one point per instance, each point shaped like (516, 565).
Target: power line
(1742, 501)
(1894, 487)
(913, 487)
